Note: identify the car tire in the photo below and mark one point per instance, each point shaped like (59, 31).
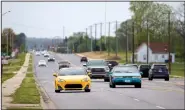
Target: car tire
(57, 91)
(138, 86)
(166, 79)
(112, 85)
(150, 78)
(106, 80)
(87, 90)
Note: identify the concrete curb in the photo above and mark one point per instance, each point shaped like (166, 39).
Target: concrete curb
(46, 102)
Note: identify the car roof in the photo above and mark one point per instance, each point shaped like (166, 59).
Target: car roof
(41, 60)
(74, 68)
(124, 66)
(96, 59)
(160, 64)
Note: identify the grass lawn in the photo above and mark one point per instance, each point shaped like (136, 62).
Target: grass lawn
(177, 69)
(14, 65)
(28, 92)
(7, 76)
(24, 108)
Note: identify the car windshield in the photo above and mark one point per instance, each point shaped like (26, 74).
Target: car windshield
(63, 63)
(130, 69)
(96, 63)
(72, 71)
(42, 61)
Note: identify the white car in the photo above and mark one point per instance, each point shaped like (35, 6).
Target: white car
(42, 63)
(37, 53)
(46, 55)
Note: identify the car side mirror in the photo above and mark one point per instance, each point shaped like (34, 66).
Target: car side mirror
(84, 64)
(55, 74)
(88, 73)
(141, 73)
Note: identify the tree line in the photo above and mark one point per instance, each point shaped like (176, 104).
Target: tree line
(10, 41)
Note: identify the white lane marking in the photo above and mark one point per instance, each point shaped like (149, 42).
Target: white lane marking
(136, 99)
(160, 107)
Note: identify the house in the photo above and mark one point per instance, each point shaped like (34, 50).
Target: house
(157, 52)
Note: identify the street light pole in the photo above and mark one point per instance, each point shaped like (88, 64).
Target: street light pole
(133, 42)
(147, 42)
(95, 37)
(91, 38)
(109, 41)
(126, 43)
(101, 37)
(169, 41)
(86, 39)
(116, 39)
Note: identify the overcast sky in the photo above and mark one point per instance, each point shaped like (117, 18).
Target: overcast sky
(46, 19)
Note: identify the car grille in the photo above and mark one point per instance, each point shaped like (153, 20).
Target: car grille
(97, 70)
(73, 86)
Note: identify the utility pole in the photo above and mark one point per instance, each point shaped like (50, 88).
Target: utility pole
(184, 37)
(7, 43)
(95, 37)
(169, 41)
(133, 42)
(105, 21)
(109, 41)
(101, 37)
(91, 38)
(116, 39)
(147, 41)
(126, 43)
(86, 40)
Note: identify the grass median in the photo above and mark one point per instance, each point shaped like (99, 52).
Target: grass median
(13, 66)
(28, 92)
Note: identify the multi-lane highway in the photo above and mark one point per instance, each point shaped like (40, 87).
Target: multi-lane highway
(156, 94)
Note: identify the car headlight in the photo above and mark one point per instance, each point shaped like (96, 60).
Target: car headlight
(107, 69)
(85, 80)
(88, 69)
(61, 80)
(136, 77)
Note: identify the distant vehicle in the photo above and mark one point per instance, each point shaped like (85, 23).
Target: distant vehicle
(42, 63)
(77, 75)
(111, 63)
(83, 59)
(125, 75)
(159, 71)
(37, 53)
(132, 65)
(63, 64)
(51, 59)
(144, 68)
(46, 55)
(98, 68)
(43, 52)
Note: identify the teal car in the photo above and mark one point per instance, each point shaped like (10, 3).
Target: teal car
(125, 75)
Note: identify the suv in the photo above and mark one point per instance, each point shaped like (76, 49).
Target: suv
(83, 59)
(159, 71)
(98, 68)
(144, 68)
(63, 64)
(111, 63)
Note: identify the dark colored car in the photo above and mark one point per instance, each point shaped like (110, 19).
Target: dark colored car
(144, 68)
(111, 63)
(51, 59)
(84, 59)
(63, 64)
(159, 71)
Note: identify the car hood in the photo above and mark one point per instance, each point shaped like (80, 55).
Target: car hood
(72, 77)
(97, 66)
(126, 74)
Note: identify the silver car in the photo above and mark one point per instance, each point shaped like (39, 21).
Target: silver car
(42, 63)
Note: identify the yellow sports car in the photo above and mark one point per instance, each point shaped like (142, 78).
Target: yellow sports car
(73, 78)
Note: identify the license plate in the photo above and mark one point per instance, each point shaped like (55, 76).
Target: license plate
(127, 81)
(160, 70)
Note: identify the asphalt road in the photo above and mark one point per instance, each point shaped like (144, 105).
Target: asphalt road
(156, 94)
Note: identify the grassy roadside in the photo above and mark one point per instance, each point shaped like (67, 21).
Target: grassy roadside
(13, 66)
(27, 93)
(176, 69)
